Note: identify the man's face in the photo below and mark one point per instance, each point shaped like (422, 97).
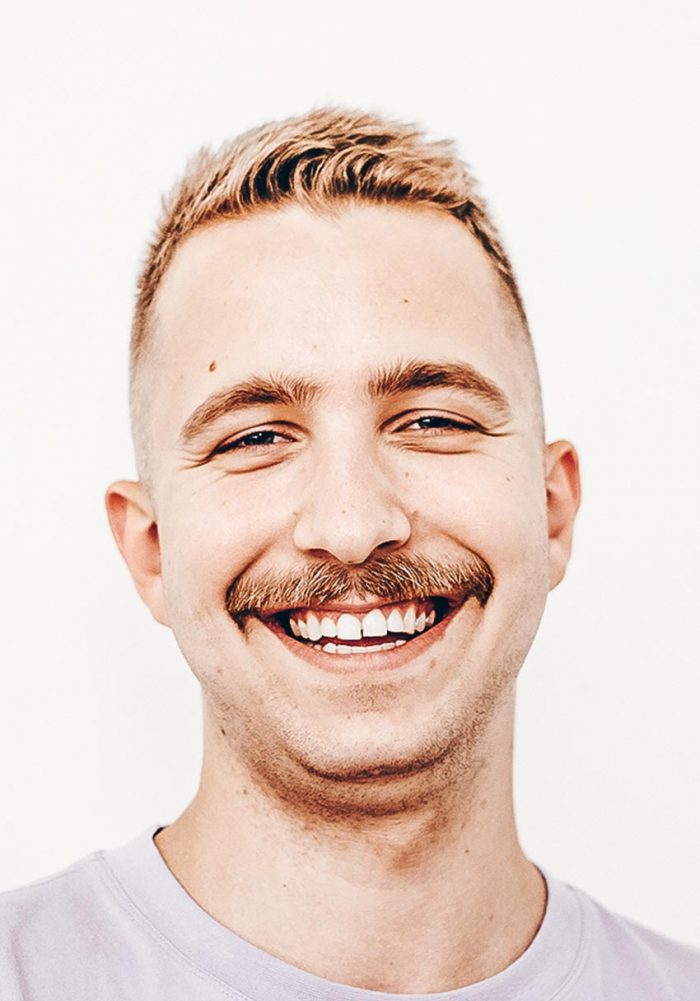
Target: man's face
(370, 431)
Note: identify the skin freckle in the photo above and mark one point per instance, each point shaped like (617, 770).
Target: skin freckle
(212, 366)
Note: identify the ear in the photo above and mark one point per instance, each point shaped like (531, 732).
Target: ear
(563, 500)
(135, 531)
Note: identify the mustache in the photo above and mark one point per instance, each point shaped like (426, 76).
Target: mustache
(393, 576)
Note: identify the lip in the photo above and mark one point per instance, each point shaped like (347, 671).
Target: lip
(365, 663)
(359, 608)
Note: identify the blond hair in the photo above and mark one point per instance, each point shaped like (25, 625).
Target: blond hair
(316, 159)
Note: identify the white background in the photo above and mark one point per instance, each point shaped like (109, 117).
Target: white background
(582, 121)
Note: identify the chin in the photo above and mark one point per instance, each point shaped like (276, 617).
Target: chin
(378, 786)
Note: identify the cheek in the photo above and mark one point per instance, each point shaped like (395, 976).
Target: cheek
(501, 515)
(495, 508)
(211, 536)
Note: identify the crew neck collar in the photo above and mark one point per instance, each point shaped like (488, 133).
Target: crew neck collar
(138, 870)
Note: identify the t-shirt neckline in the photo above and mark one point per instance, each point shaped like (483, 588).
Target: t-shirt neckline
(138, 871)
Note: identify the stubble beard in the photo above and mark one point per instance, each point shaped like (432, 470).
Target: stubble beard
(301, 776)
(315, 787)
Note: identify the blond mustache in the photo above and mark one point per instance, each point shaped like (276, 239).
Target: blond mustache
(395, 577)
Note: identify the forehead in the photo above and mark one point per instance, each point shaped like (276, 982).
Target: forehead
(328, 297)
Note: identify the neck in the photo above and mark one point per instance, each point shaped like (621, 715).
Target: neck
(441, 886)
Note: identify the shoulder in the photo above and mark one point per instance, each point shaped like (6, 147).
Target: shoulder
(38, 900)
(47, 922)
(639, 961)
(61, 890)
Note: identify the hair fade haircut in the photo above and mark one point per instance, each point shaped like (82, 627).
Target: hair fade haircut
(318, 160)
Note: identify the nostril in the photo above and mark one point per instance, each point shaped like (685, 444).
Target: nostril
(391, 545)
(350, 533)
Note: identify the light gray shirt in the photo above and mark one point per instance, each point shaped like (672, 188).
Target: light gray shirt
(118, 926)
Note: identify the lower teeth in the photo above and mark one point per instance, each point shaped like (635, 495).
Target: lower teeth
(340, 648)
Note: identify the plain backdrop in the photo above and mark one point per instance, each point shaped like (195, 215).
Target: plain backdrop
(582, 123)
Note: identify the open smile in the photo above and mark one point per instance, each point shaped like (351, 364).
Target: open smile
(355, 637)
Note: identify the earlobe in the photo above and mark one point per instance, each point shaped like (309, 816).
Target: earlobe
(135, 531)
(563, 486)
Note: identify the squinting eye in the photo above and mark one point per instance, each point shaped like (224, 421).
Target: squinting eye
(435, 423)
(256, 439)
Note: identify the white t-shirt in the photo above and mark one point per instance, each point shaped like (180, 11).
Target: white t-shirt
(118, 926)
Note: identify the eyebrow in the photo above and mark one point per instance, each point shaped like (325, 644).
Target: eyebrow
(408, 376)
(394, 380)
(270, 390)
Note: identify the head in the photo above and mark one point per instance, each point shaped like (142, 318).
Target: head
(346, 510)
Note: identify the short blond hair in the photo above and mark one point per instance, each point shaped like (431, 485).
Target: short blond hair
(317, 159)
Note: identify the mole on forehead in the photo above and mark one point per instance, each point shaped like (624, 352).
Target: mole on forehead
(392, 380)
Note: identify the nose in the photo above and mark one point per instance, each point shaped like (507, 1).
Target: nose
(349, 510)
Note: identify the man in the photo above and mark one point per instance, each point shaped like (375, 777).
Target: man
(347, 514)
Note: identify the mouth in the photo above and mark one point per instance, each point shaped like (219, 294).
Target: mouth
(357, 631)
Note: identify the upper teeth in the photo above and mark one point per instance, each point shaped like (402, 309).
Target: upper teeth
(346, 626)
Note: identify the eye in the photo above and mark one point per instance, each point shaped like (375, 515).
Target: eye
(255, 441)
(437, 423)
(447, 433)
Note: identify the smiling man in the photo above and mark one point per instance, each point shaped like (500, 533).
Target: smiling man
(349, 517)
